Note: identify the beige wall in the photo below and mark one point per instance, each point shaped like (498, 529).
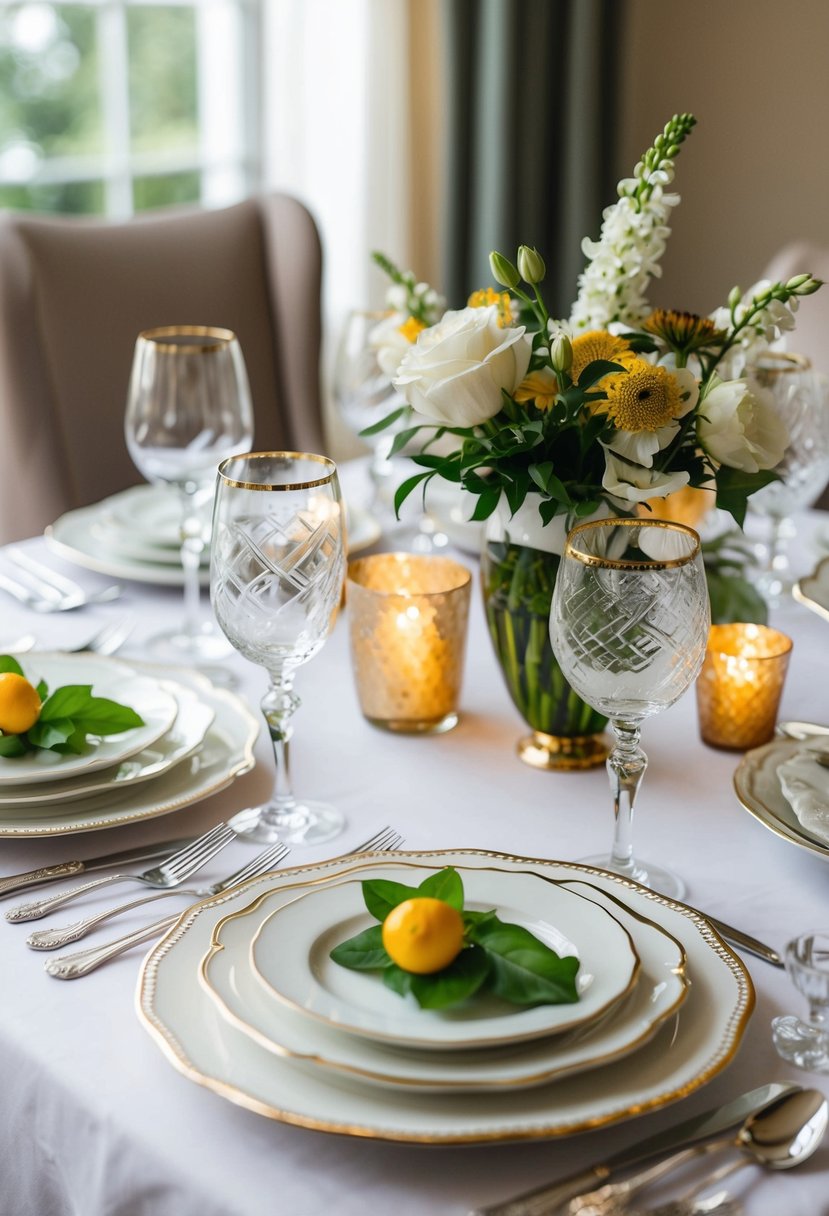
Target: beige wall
(754, 174)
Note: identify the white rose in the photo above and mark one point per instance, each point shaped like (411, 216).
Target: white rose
(456, 369)
(389, 343)
(633, 483)
(738, 426)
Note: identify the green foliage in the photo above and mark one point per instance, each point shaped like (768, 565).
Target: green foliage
(499, 957)
(727, 560)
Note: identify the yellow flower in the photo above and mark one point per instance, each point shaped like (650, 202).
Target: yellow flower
(486, 297)
(598, 344)
(682, 331)
(539, 388)
(645, 397)
(411, 328)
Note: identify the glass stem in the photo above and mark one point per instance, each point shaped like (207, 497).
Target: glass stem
(626, 766)
(192, 547)
(817, 1014)
(279, 705)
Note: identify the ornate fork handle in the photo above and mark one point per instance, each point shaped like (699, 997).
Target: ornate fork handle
(65, 869)
(612, 1198)
(52, 939)
(71, 966)
(41, 907)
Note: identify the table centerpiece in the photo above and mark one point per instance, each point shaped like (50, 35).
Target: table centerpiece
(552, 422)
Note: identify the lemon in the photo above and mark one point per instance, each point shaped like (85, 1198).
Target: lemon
(423, 935)
(19, 703)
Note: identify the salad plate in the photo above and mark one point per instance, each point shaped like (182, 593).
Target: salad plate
(686, 1052)
(757, 785)
(225, 753)
(661, 988)
(115, 680)
(289, 955)
(133, 535)
(192, 721)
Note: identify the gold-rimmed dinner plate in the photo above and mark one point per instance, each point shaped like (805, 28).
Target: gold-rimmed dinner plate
(658, 993)
(226, 753)
(686, 1053)
(290, 957)
(108, 678)
(758, 788)
(192, 722)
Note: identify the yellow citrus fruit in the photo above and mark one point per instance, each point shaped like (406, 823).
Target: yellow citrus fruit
(423, 935)
(19, 703)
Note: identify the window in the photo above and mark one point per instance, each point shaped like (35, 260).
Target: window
(114, 106)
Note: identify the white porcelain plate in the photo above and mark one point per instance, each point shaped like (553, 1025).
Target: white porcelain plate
(99, 537)
(660, 990)
(813, 590)
(225, 754)
(191, 724)
(757, 786)
(290, 957)
(110, 679)
(686, 1053)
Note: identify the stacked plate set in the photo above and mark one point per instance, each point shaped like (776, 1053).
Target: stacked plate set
(243, 997)
(136, 534)
(195, 740)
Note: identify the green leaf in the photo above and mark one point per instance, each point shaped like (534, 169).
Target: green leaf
(596, 371)
(365, 952)
(7, 663)
(12, 745)
(42, 690)
(381, 895)
(524, 970)
(486, 504)
(398, 980)
(385, 422)
(405, 488)
(402, 438)
(455, 983)
(104, 717)
(66, 702)
(734, 487)
(49, 734)
(446, 885)
(734, 599)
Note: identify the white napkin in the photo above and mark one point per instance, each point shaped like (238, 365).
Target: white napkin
(805, 786)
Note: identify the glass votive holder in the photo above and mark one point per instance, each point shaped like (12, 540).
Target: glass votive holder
(408, 617)
(739, 687)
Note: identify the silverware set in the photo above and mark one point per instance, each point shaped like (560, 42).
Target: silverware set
(45, 590)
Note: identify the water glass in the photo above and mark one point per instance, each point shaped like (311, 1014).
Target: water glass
(806, 1043)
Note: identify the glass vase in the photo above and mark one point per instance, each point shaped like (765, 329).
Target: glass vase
(519, 564)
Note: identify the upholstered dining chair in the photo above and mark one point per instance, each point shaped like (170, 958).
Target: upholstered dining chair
(75, 294)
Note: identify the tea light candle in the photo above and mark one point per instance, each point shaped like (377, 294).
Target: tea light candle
(740, 685)
(408, 616)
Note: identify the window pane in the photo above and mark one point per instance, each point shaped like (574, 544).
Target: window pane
(163, 93)
(162, 191)
(48, 85)
(72, 198)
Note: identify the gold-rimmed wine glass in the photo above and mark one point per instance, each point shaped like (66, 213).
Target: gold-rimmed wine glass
(188, 407)
(629, 624)
(277, 566)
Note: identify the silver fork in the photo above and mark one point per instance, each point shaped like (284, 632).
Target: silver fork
(72, 966)
(53, 939)
(721, 1204)
(172, 871)
(107, 640)
(46, 590)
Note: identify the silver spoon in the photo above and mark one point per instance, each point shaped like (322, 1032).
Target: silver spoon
(779, 1136)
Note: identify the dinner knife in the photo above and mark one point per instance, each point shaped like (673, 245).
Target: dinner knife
(66, 869)
(547, 1200)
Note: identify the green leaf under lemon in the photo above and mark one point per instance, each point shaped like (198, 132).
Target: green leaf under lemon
(498, 957)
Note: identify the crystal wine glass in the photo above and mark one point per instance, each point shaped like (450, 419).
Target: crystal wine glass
(188, 407)
(801, 398)
(277, 565)
(629, 624)
(806, 1044)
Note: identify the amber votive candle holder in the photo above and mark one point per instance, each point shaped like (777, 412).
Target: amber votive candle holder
(739, 687)
(408, 617)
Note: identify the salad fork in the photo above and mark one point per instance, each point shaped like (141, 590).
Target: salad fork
(46, 590)
(72, 966)
(171, 873)
(52, 939)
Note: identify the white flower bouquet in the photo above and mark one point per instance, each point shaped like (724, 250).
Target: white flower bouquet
(619, 404)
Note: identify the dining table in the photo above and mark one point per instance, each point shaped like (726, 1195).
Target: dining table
(97, 1119)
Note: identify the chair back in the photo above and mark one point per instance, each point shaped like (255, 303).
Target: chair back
(75, 294)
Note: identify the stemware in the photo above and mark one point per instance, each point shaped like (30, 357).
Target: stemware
(806, 1043)
(188, 407)
(801, 398)
(629, 623)
(276, 578)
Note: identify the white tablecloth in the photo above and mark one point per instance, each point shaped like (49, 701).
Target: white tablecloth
(94, 1121)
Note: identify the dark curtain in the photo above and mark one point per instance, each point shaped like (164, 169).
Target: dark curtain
(531, 120)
